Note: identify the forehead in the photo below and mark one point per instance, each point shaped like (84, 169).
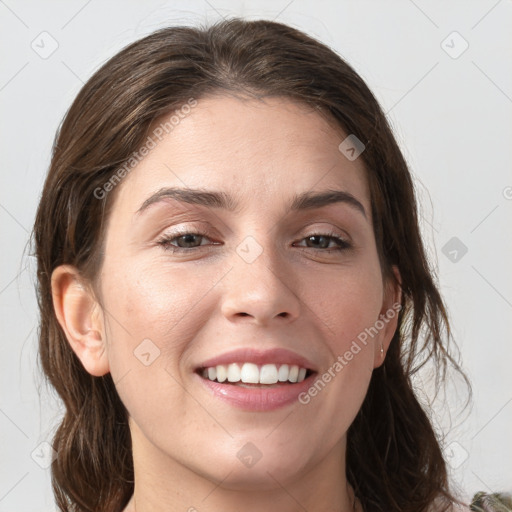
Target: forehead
(260, 150)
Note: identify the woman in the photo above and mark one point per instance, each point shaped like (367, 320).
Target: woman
(232, 285)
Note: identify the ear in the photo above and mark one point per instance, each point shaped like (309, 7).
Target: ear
(79, 315)
(388, 316)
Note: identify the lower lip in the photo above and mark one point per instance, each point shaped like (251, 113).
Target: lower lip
(258, 398)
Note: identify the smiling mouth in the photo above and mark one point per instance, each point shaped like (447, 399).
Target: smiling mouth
(253, 375)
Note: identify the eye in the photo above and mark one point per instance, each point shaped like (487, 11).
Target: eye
(322, 241)
(182, 241)
(189, 240)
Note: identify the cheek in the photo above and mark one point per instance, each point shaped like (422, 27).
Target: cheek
(151, 316)
(347, 303)
(150, 300)
(347, 300)
(154, 307)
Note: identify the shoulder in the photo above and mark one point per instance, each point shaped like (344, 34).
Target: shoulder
(456, 507)
(441, 506)
(459, 507)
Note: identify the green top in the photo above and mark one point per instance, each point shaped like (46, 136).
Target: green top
(496, 502)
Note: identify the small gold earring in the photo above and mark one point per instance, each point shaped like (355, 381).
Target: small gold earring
(381, 351)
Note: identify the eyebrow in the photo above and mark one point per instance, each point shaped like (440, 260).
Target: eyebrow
(221, 200)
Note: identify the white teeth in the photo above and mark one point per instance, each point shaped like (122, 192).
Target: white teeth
(294, 374)
(284, 371)
(268, 374)
(221, 373)
(233, 372)
(250, 373)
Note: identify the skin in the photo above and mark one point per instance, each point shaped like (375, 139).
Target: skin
(198, 304)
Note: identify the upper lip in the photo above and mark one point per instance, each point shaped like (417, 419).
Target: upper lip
(260, 357)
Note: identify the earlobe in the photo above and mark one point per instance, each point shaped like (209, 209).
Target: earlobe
(388, 317)
(79, 315)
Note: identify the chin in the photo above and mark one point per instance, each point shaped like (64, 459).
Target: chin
(258, 469)
(258, 478)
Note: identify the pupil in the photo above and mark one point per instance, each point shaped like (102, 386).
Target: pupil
(316, 238)
(188, 239)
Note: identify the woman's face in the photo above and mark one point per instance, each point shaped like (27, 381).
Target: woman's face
(262, 269)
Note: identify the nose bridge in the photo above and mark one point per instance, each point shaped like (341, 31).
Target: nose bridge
(257, 287)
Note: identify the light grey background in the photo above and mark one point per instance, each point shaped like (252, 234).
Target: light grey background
(451, 114)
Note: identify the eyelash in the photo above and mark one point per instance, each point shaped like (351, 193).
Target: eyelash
(165, 241)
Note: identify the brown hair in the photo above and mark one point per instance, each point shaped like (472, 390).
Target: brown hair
(394, 460)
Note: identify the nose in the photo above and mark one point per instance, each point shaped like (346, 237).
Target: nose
(260, 292)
